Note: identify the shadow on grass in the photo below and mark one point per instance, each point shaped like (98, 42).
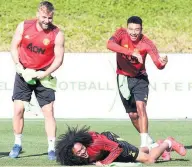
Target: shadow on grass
(34, 155)
(188, 147)
(180, 160)
(4, 154)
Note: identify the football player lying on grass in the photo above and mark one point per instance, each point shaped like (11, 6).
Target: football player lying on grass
(85, 147)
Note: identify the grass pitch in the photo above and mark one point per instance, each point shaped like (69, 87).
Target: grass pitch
(35, 141)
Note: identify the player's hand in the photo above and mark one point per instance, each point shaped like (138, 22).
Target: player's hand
(98, 163)
(29, 75)
(19, 68)
(163, 60)
(138, 56)
(41, 74)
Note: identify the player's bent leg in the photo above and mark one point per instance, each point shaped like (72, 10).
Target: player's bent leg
(156, 152)
(177, 147)
(18, 123)
(50, 127)
(145, 158)
(153, 155)
(144, 149)
(166, 156)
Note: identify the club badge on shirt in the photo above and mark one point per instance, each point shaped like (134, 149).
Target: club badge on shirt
(46, 41)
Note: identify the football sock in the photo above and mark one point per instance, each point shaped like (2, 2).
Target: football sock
(51, 144)
(18, 138)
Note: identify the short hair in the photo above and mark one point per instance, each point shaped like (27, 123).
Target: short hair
(49, 6)
(134, 19)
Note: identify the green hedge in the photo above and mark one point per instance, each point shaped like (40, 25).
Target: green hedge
(88, 24)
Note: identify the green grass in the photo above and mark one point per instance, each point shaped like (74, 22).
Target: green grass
(88, 24)
(35, 142)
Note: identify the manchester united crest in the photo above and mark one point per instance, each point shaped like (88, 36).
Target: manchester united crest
(46, 41)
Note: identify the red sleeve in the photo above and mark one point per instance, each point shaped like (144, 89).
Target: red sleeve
(113, 43)
(108, 145)
(153, 52)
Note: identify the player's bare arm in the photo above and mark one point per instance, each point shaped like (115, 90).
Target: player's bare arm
(16, 41)
(59, 55)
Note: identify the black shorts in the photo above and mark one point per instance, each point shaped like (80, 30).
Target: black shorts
(130, 152)
(23, 91)
(137, 89)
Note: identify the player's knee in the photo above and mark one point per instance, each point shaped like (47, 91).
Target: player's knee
(18, 110)
(18, 113)
(133, 115)
(141, 110)
(48, 114)
(48, 111)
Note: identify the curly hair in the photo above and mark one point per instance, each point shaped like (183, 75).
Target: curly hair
(65, 143)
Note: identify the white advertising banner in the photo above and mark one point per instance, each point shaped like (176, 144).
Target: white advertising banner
(87, 88)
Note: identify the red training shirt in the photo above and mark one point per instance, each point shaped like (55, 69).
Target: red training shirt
(102, 143)
(36, 50)
(127, 65)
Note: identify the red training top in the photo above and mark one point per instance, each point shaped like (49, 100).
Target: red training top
(36, 49)
(102, 143)
(128, 65)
